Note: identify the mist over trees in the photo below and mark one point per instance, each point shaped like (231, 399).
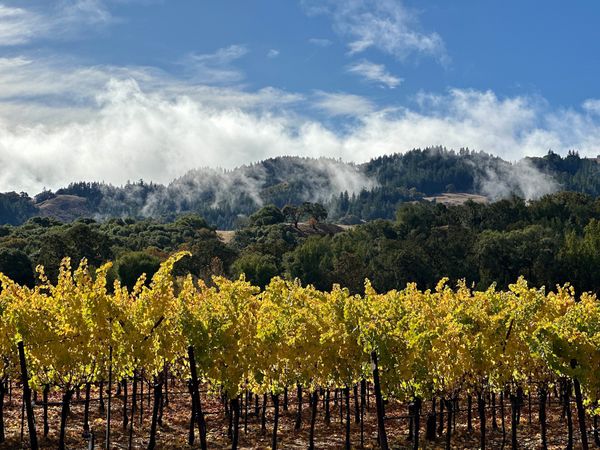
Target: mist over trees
(350, 193)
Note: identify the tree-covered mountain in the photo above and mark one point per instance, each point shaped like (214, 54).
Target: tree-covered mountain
(350, 192)
(572, 172)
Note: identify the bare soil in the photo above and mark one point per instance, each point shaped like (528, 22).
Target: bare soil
(173, 434)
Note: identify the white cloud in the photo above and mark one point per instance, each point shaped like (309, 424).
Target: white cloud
(272, 53)
(386, 25)
(592, 105)
(375, 73)
(216, 67)
(88, 12)
(57, 90)
(320, 42)
(53, 20)
(342, 104)
(17, 25)
(134, 134)
(60, 122)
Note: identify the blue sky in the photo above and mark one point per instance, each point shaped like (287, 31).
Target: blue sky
(115, 90)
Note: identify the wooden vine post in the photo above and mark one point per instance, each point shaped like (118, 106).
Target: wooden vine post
(383, 442)
(27, 398)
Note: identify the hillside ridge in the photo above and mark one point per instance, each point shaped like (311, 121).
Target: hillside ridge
(350, 192)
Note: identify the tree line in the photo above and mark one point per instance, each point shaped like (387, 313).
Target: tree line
(550, 241)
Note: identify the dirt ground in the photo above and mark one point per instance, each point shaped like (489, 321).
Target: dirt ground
(176, 417)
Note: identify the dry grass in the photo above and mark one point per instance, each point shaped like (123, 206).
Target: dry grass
(451, 199)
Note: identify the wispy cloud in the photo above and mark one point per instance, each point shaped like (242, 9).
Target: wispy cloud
(86, 12)
(273, 53)
(343, 104)
(592, 105)
(58, 89)
(17, 25)
(53, 20)
(385, 25)
(320, 42)
(217, 67)
(374, 73)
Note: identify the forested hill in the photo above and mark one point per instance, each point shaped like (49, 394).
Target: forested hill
(351, 193)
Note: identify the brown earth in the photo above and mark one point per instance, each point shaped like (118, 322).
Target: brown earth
(304, 229)
(176, 416)
(65, 208)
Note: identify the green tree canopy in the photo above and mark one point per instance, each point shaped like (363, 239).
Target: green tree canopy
(311, 262)
(267, 215)
(16, 265)
(258, 268)
(132, 265)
